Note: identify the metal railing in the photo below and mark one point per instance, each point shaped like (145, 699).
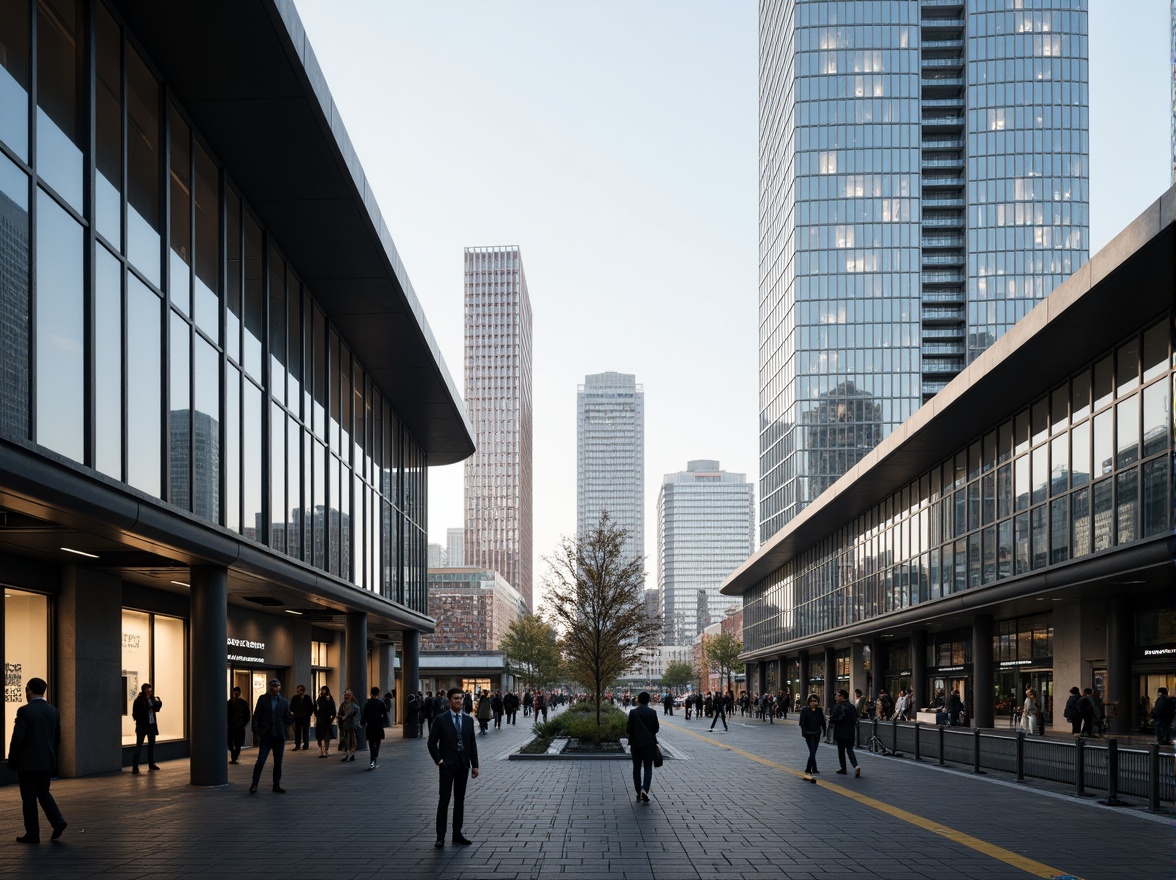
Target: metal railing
(1086, 765)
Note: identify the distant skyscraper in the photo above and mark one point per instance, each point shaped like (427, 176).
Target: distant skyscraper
(498, 396)
(923, 184)
(455, 547)
(610, 455)
(705, 530)
(437, 556)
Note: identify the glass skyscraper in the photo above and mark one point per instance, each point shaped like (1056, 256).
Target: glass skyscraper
(705, 530)
(610, 455)
(923, 184)
(498, 397)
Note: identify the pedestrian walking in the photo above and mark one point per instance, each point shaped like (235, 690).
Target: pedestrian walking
(641, 729)
(484, 712)
(497, 708)
(1030, 713)
(302, 707)
(348, 716)
(271, 715)
(238, 718)
(1072, 712)
(324, 717)
(454, 749)
(1163, 712)
(375, 719)
(812, 727)
(720, 709)
(844, 723)
(32, 755)
(1090, 712)
(143, 711)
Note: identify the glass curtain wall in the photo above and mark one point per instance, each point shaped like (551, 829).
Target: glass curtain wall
(167, 331)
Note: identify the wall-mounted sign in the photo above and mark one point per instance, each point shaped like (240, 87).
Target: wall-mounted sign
(1007, 663)
(237, 649)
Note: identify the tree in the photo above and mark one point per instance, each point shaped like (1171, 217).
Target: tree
(721, 654)
(531, 646)
(678, 674)
(596, 596)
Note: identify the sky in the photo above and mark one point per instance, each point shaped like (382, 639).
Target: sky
(615, 143)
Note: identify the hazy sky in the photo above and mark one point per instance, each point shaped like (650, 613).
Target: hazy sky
(616, 144)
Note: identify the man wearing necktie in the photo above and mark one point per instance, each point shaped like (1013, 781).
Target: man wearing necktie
(454, 750)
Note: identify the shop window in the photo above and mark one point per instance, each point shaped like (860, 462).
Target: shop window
(153, 651)
(26, 647)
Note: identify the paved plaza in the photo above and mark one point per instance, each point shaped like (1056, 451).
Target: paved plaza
(728, 805)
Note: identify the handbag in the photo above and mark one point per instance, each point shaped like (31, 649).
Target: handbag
(658, 760)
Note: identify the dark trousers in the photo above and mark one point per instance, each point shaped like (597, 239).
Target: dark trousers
(453, 782)
(301, 732)
(720, 715)
(497, 720)
(266, 744)
(139, 735)
(813, 740)
(511, 715)
(374, 749)
(34, 788)
(844, 747)
(642, 767)
(236, 740)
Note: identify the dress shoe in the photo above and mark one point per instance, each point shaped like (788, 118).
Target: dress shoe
(840, 772)
(253, 789)
(462, 841)
(152, 766)
(279, 790)
(644, 797)
(343, 760)
(439, 843)
(134, 769)
(57, 830)
(232, 762)
(27, 839)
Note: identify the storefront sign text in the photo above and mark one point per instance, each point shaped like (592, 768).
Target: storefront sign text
(249, 646)
(1155, 652)
(1016, 663)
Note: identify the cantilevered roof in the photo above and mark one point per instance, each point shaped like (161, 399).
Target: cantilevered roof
(245, 72)
(1127, 283)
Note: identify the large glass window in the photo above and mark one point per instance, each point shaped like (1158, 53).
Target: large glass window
(108, 129)
(108, 374)
(144, 162)
(180, 416)
(144, 387)
(14, 75)
(206, 442)
(61, 340)
(153, 653)
(254, 294)
(207, 242)
(14, 293)
(26, 646)
(179, 278)
(59, 97)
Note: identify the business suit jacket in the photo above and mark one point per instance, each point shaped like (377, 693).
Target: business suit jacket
(139, 710)
(36, 738)
(263, 716)
(642, 726)
(443, 742)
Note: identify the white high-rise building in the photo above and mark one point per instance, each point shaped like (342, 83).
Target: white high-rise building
(610, 455)
(705, 530)
(455, 547)
(498, 397)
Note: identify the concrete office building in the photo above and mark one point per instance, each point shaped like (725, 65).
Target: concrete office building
(218, 390)
(473, 609)
(455, 547)
(498, 527)
(705, 530)
(1015, 532)
(923, 184)
(610, 456)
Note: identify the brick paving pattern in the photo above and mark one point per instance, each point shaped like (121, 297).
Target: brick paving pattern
(716, 813)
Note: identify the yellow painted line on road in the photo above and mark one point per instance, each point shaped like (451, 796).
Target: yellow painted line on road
(1023, 863)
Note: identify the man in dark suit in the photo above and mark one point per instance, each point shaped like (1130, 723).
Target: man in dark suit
(270, 717)
(454, 749)
(302, 707)
(238, 717)
(641, 729)
(32, 754)
(143, 711)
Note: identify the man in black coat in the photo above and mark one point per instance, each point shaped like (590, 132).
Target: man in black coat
(270, 717)
(301, 707)
(32, 754)
(238, 717)
(1162, 714)
(844, 722)
(375, 719)
(143, 711)
(641, 729)
(454, 749)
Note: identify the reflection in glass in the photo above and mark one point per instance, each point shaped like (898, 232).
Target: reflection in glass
(1059, 531)
(1040, 536)
(1127, 504)
(207, 242)
(294, 510)
(1080, 506)
(320, 504)
(143, 164)
(180, 417)
(1021, 543)
(108, 129)
(1155, 496)
(1104, 515)
(206, 441)
(307, 511)
(251, 475)
(108, 375)
(14, 75)
(1155, 350)
(1127, 368)
(1059, 465)
(1127, 418)
(144, 387)
(232, 448)
(14, 297)
(1004, 548)
(277, 479)
(1080, 449)
(1103, 442)
(60, 323)
(320, 373)
(59, 98)
(233, 277)
(294, 347)
(1157, 419)
(254, 299)
(179, 278)
(277, 325)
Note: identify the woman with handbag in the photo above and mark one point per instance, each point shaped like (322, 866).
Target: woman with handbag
(642, 728)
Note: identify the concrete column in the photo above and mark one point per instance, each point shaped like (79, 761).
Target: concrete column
(410, 675)
(88, 688)
(803, 687)
(1119, 640)
(762, 677)
(386, 672)
(919, 668)
(830, 675)
(356, 650)
(300, 672)
(980, 706)
(877, 664)
(857, 668)
(207, 641)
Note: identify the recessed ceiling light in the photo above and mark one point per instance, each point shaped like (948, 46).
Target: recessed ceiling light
(80, 552)
(1041, 598)
(181, 584)
(292, 611)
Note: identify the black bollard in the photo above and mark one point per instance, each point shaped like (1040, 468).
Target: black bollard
(916, 740)
(976, 753)
(1020, 756)
(1080, 766)
(941, 736)
(1113, 775)
(1153, 777)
